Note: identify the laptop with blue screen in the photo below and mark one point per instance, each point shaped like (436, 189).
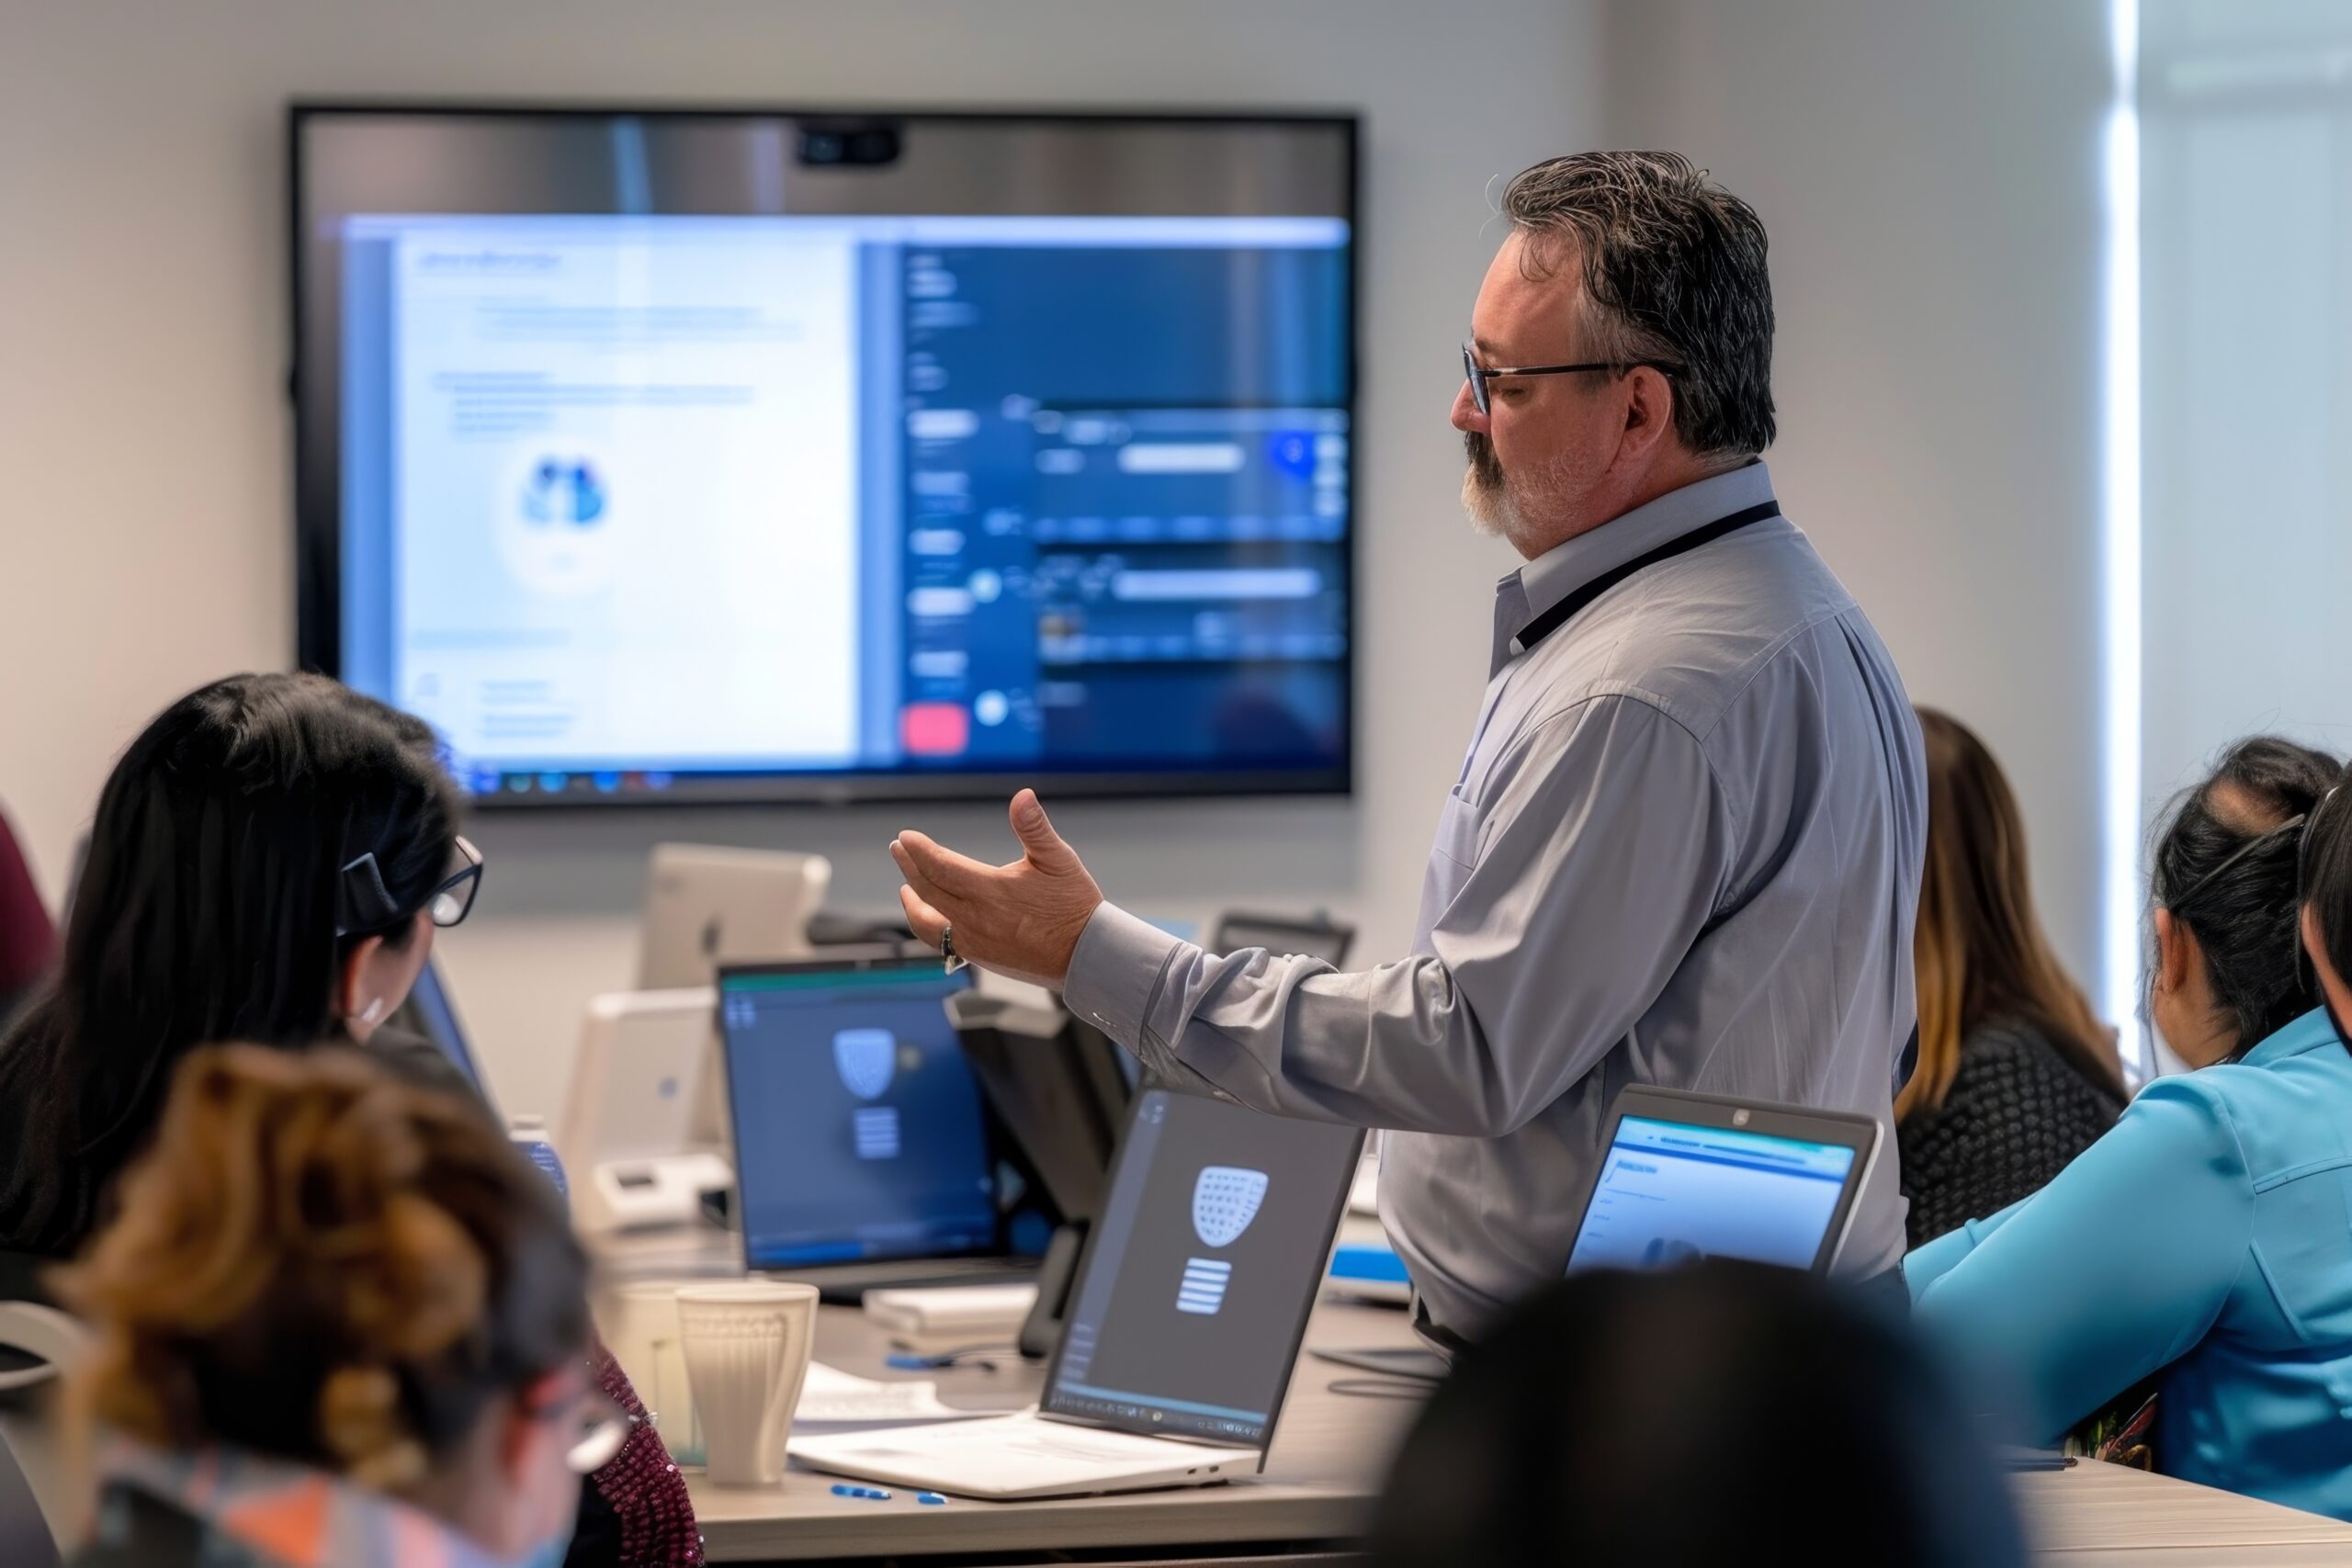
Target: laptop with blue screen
(1688, 1175)
(863, 1153)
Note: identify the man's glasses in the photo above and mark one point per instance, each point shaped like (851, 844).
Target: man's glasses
(364, 904)
(1480, 375)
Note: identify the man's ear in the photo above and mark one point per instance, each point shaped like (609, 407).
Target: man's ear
(1649, 412)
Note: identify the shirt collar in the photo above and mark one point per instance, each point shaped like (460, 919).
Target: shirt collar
(288, 1513)
(2305, 1035)
(1565, 568)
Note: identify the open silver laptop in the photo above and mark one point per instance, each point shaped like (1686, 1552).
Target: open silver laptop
(1189, 1310)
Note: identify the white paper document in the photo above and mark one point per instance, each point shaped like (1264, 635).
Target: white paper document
(830, 1396)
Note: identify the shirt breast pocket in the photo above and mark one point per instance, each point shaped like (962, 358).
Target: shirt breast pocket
(1457, 830)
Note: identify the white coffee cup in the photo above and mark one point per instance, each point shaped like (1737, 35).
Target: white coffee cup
(640, 1322)
(747, 1350)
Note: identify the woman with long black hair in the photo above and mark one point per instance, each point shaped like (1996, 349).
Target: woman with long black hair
(269, 861)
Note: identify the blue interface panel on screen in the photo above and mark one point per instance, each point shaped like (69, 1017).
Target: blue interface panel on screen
(634, 503)
(1670, 1191)
(859, 1131)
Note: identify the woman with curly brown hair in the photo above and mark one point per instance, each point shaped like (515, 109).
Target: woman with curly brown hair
(339, 1319)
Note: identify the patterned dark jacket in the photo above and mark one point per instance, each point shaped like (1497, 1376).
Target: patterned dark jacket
(2018, 1113)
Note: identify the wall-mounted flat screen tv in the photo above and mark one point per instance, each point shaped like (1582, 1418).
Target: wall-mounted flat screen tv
(794, 455)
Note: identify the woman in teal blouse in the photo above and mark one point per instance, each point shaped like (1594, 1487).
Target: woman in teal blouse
(2207, 1240)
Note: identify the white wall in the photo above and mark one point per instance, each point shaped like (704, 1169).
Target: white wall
(1931, 177)
(144, 527)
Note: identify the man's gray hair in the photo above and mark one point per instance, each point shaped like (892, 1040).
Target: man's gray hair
(1673, 272)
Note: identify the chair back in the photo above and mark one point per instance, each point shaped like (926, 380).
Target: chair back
(25, 1538)
(37, 1343)
(27, 935)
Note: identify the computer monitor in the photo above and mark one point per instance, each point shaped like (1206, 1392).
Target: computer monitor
(675, 456)
(859, 1130)
(1060, 1092)
(627, 1130)
(1689, 1176)
(707, 905)
(1202, 1270)
(1317, 937)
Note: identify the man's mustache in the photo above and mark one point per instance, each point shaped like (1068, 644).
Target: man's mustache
(1485, 466)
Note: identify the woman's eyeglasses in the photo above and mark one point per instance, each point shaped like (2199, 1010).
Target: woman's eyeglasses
(453, 900)
(592, 1424)
(364, 904)
(599, 1429)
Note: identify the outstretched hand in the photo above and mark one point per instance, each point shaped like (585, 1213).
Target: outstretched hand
(1023, 919)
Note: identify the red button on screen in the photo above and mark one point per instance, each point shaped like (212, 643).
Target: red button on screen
(934, 730)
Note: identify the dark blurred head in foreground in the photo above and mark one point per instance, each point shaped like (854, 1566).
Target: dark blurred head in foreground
(1722, 1413)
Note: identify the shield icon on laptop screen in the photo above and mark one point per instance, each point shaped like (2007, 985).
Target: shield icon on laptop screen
(1225, 1200)
(865, 1058)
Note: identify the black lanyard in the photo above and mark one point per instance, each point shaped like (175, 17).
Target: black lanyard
(1568, 609)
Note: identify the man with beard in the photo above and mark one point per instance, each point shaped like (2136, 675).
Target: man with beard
(1685, 844)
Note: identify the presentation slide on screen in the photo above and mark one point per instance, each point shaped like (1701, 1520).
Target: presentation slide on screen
(630, 499)
(626, 500)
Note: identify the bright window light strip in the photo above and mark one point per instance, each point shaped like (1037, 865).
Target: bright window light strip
(2120, 545)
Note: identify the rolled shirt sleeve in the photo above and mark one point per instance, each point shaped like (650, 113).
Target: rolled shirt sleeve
(1601, 853)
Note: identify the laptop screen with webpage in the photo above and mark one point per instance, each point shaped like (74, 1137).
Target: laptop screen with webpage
(1202, 1270)
(859, 1132)
(1672, 1191)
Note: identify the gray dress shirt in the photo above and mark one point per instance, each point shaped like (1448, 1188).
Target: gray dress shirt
(1684, 849)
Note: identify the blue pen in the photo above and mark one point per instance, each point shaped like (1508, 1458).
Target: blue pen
(874, 1494)
(931, 1498)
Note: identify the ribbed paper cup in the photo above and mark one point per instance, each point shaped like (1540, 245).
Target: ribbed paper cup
(747, 1353)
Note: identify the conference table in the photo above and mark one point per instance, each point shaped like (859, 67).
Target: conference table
(1330, 1449)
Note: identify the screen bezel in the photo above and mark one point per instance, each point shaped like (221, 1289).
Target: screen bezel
(1144, 1428)
(316, 451)
(992, 1136)
(1717, 1113)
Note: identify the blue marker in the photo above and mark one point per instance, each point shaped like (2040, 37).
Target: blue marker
(875, 1494)
(929, 1497)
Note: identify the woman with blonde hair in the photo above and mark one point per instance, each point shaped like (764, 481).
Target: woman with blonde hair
(2016, 1075)
(340, 1320)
